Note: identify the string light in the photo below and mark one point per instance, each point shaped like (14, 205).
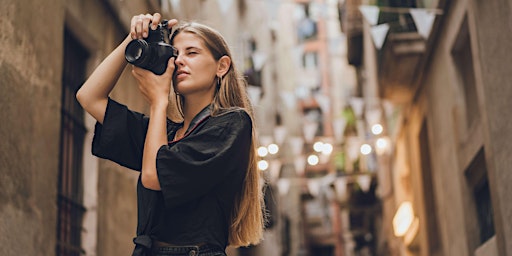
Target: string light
(366, 149)
(324, 148)
(262, 151)
(313, 160)
(318, 146)
(327, 149)
(273, 149)
(263, 165)
(382, 145)
(377, 129)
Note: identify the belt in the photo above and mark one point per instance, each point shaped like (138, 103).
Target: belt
(159, 244)
(183, 249)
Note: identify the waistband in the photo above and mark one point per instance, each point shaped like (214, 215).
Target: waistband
(189, 250)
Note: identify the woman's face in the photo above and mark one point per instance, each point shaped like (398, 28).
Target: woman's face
(195, 67)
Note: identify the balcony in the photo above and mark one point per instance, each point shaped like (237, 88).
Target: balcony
(402, 59)
(400, 64)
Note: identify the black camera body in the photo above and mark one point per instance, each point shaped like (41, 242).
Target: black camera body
(152, 53)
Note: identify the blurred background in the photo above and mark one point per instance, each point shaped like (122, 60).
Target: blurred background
(383, 125)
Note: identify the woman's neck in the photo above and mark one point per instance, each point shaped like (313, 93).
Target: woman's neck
(192, 107)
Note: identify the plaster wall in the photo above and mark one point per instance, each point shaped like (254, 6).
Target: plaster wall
(30, 78)
(454, 143)
(493, 32)
(440, 88)
(30, 74)
(110, 220)
(31, 35)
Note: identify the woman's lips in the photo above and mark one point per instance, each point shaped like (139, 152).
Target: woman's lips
(181, 74)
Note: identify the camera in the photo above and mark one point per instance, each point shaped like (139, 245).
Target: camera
(152, 53)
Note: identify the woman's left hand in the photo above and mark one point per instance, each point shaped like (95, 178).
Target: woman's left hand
(155, 88)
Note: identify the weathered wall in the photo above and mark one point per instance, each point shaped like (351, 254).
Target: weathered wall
(440, 89)
(100, 28)
(30, 69)
(453, 142)
(492, 21)
(31, 35)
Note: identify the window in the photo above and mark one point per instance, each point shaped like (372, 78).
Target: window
(310, 60)
(306, 26)
(476, 175)
(313, 115)
(484, 211)
(252, 71)
(434, 243)
(70, 186)
(463, 59)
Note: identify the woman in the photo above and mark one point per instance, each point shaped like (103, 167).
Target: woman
(198, 189)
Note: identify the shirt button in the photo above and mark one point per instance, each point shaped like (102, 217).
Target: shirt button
(192, 253)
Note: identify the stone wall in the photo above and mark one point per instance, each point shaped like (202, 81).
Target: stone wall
(31, 58)
(493, 34)
(30, 74)
(455, 139)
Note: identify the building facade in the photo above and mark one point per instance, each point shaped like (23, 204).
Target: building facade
(399, 148)
(57, 199)
(443, 186)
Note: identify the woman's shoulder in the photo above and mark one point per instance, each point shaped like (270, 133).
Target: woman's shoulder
(232, 115)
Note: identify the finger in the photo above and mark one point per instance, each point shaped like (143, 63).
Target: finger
(139, 26)
(135, 75)
(133, 27)
(138, 73)
(141, 72)
(135, 72)
(155, 20)
(171, 23)
(145, 25)
(170, 66)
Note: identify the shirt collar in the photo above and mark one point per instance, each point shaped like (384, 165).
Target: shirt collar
(206, 112)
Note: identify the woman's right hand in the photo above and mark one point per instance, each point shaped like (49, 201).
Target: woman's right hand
(93, 95)
(139, 27)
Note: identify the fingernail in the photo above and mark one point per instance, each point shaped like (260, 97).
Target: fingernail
(145, 34)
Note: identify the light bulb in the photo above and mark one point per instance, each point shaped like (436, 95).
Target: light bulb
(313, 160)
(366, 149)
(262, 151)
(273, 149)
(377, 129)
(262, 165)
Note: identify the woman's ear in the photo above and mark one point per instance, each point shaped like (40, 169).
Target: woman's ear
(223, 66)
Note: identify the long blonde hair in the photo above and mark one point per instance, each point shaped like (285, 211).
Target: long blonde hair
(248, 216)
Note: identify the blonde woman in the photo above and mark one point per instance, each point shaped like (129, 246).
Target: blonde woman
(198, 190)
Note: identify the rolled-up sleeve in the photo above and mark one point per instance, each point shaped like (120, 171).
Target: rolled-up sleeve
(194, 165)
(121, 137)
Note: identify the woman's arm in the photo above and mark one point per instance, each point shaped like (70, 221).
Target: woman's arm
(155, 89)
(93, 95)
(156, 137)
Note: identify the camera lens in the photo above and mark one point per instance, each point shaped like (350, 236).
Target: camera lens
(137, 52)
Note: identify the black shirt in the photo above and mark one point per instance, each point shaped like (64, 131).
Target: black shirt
(200, 175)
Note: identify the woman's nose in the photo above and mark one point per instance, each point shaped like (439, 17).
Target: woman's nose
(178, 60)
